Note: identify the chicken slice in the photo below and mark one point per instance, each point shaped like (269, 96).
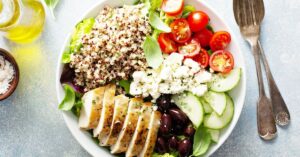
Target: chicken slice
(152, 135)
(120, 111)
(103, 127)
(91, 109)
(129, 126)
(139, 137)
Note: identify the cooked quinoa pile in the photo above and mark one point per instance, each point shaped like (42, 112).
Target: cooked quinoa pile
(113, 49)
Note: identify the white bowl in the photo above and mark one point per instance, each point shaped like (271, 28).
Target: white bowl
(238, 94)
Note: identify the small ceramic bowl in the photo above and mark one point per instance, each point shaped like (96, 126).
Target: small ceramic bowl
(14, 83)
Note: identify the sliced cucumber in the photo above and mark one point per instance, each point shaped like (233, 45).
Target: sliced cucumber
(217, 101)
(214, 121)
(191, 106)
(206, 106)
(214, 134)
(224, 83)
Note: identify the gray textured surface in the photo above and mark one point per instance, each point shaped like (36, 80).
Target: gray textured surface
(31, 125)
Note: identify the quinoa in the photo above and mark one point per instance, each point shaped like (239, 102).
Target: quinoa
(112, 50)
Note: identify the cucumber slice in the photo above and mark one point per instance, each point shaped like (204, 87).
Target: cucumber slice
(214, 134)
(191, 106)
(224, 83)
(206, 106)
(214, 121)
(217, 101)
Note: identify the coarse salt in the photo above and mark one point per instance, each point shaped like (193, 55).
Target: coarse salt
(7, 73)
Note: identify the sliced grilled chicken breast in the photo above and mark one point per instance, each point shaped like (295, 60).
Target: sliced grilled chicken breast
(140, 134)
(103, 128)
(129, 126)
(120, 112)
(91, 109)
(152, 135)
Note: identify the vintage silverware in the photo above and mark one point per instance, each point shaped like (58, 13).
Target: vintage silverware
(249, 15)
(281, 112)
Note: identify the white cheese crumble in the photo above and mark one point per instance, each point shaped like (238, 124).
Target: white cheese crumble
(6, 74)
(174, 76)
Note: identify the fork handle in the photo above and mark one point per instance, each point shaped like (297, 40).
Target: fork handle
(265, 117)
(281, 112)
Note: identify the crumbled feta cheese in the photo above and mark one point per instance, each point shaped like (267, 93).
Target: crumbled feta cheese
(172, 77)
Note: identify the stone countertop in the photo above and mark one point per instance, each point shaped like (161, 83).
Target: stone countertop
(31, 124)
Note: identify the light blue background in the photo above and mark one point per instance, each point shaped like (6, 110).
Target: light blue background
(31, 125)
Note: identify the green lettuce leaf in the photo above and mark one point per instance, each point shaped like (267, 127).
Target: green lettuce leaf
(202, 140)
(152, 52)
(69, 99)
(157, 23)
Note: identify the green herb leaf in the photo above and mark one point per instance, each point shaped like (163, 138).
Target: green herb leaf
(210, 52)
(157, 23)
(51, 5)
(125, 84)
(69, 99)
(152, 52)
(155, 4)
(209, 27)
(187, 10)
(66, 58)
(82, 28)
(202, 140)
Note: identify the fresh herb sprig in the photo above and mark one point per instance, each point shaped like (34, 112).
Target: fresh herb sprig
(51, 5)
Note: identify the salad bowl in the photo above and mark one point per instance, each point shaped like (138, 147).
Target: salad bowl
(238, 93)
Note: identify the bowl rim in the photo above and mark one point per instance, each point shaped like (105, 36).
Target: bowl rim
(15, 81)
(237, 113)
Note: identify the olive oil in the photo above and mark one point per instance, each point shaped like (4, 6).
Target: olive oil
(26, 20)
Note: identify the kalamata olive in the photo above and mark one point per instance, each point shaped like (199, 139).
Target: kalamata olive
(184, 148)
(166, 124)
(178, 116)
(178, 129)
(173, 142)
(161, 145)
(163, 102)
(189, 131)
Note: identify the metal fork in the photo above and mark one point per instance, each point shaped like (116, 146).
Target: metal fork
(249, 15)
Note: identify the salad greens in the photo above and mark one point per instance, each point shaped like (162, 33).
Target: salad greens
(125, 84)
(187, 10)
(69, 100)
(82, 28)
(157, 23)
(172, 154)
(202, 140)
(152, 52)
(51, 5)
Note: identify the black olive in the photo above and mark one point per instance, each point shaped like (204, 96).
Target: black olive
(161, 145)
(166, 124)
(184, 148)
(164, 102)
(178, 116)
(173, 142)
(189, 131)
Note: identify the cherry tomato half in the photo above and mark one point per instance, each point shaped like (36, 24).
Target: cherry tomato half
(221, 61)
(166, 44)
(202, 58)
(181, 30)
(172, 7)
(198, 20)
(190, 49)
(220, 40)
(203, 37)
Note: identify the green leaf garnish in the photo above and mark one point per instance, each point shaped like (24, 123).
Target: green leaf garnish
(187, 10)
(202, 140)
(157, 23)
(125, 84)
(51, 5)
(69, 100)
(152, 52)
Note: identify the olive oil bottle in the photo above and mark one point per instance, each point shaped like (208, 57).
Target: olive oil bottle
(21, 21)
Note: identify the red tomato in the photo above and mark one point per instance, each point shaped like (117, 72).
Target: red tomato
(204, 37)
(190, 49)
(220, 40)
(181, 30)
(202, 58)
(172, 7)
(221, 61)
(166, 44)
(198, 20)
